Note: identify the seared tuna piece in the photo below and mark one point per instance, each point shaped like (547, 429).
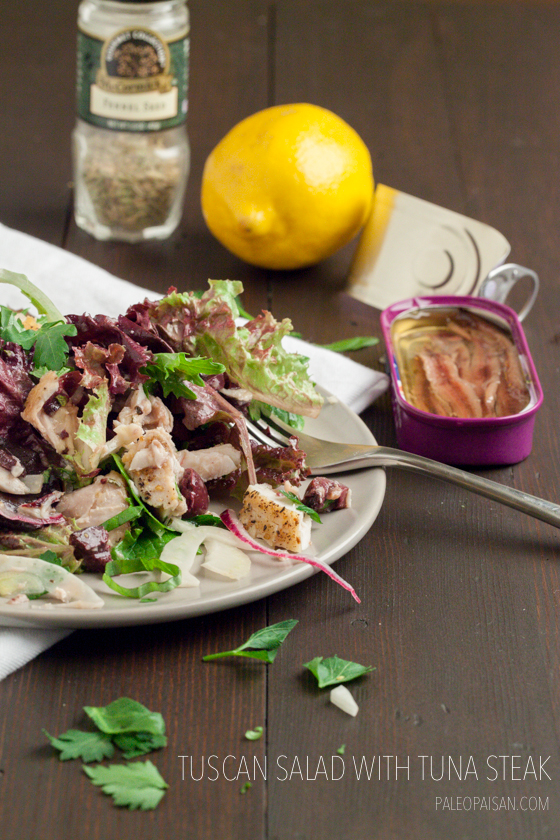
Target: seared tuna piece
(95, 504)
(270, 516)
(59, 427)
(149, 412)
(213, 462)
(153, 466)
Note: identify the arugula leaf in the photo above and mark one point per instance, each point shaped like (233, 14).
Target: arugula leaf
(51, 350)
(347, 344)
(142, 548)
(126, 715)
(138, 552)
(50, 557)
(262, 645)
(12, 329)
(38, 372)
(154, 523)
(300, 506)
(296, 421)
(137, 785)
(128, 515)
(134, 744)
(172, 369)
(254, 734)
(259, 409)
(207, 519)
(333, 670)
(89, 746)
(41, 302)
(241, 310)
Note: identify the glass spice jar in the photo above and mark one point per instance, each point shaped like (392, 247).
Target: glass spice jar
(130, 148)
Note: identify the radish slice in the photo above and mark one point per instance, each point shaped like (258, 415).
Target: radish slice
(342, 698)
(231, 522)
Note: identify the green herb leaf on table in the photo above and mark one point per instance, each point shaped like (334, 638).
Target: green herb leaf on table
(125, 715)
(333, 671)
(134, 744)
(342, 749)
(137, 785)
(171, 370)
(245, 787)
(349, 344)
(254, 734)
(263, 644)
(89, 746)
(300, 506)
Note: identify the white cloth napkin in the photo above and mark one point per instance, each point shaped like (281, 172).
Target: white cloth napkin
(75, 285)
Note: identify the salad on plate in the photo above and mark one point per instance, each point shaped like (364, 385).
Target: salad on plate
(121, 437)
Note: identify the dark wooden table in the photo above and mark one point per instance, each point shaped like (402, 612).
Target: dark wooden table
(459, 104)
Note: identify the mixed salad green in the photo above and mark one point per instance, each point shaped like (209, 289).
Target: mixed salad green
(115, 433)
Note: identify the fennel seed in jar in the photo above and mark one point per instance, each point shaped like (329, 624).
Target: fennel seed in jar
(131, 180)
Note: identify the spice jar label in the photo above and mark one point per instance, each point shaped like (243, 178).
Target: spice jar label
(132, 81)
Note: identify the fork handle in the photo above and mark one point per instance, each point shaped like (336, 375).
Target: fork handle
(531, 505)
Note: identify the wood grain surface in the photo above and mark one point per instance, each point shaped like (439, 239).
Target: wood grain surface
(459, 104)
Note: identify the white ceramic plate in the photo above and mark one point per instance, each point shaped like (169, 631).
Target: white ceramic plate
(339, 532)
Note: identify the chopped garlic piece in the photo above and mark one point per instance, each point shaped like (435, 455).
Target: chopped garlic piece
(342, 698)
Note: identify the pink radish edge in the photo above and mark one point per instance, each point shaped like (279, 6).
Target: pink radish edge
(233, 524)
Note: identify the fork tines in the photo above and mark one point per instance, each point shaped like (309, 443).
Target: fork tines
(264, 430)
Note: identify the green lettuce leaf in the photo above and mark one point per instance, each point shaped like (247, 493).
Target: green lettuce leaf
(91, 436)
(252, 354)
(173, 370)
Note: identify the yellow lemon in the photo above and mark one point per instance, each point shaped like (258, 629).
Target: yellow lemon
(287, 187)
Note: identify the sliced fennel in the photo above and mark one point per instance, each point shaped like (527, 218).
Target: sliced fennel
(34, 578)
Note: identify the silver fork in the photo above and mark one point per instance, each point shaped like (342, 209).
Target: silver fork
(325, 457)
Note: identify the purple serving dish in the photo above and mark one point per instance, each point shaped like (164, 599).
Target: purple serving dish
(485, 441)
